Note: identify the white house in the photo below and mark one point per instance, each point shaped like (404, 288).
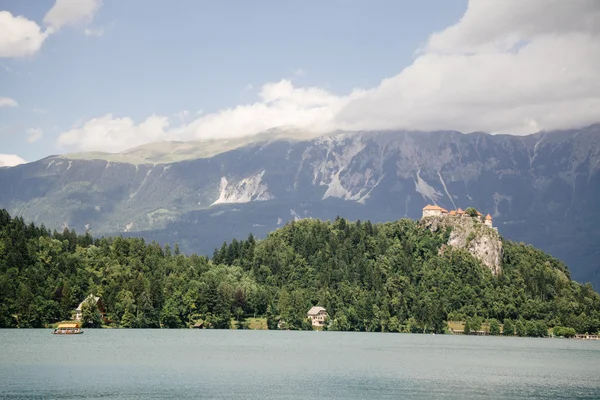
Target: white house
(433, 211)
(317, 315)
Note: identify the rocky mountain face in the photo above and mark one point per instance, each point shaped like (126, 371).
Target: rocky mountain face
(541, 189)
(483, 242)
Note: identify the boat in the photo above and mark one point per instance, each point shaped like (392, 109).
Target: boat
(67, 329)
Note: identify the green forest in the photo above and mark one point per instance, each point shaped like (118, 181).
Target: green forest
(387, 277)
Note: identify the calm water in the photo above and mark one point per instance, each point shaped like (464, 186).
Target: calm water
(159, 364)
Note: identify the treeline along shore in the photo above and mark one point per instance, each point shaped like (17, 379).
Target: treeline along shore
(388, 277)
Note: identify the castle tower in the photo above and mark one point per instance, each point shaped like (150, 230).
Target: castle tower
(488, 220)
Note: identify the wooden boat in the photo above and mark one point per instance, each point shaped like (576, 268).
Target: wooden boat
(67, 329)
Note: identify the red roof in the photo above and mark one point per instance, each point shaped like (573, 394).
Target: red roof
(488, 217)
(430, 207)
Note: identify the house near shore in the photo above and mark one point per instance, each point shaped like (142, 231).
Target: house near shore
(95, 300)
(198, 325)
(317, 315)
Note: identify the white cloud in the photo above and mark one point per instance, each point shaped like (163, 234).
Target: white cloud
(19, 37)
(281, 104)
(114, 134)
(506, 67)
(10, 160)
(70, 12)
(94, 32)
(34, 134)
(8, 102)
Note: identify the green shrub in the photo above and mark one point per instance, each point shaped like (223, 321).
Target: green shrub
(471, 237)
(494, 327)
(520, 328)
(471, 212)
(509, 328)
(563, 331)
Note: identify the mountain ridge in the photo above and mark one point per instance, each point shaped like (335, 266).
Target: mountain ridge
(218, 146)
(541, 188)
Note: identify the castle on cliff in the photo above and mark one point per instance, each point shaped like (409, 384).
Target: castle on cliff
(437, 211)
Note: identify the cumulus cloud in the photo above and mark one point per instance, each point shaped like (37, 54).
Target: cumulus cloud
(70, 12)
(10, 160)
(114, 134)
(7, 102)
(506, 67)
(21, 37)
(34, 134)
(281, 104)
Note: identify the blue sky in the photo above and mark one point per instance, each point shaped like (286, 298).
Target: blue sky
(158, 70)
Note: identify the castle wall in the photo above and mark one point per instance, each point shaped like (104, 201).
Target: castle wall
(432, 213)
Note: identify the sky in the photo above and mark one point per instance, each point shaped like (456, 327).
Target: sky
(92, 75)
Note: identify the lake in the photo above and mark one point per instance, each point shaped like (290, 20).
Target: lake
(211, 364)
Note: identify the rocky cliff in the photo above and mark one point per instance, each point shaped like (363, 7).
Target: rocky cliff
(483, 242)
(541, 189)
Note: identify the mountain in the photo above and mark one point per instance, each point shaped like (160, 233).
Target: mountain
(540, 189)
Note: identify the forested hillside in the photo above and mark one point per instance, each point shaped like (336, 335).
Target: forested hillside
(369, 277)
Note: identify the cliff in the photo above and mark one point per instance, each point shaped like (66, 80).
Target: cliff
(483, 242)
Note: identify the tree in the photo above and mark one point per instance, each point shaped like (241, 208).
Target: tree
(494, 327)
(339, 323)
(520, 328)
(169, 316)
(128, 320)
(272, 317)
(541, 329)
(476, 323)
(90, 315)
(531, 329)
(562, 331)
(471, 212)
(509, 328)
(467, 328)
(66, 301)
(394, 276)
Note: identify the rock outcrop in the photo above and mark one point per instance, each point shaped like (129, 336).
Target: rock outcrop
(483, 242)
